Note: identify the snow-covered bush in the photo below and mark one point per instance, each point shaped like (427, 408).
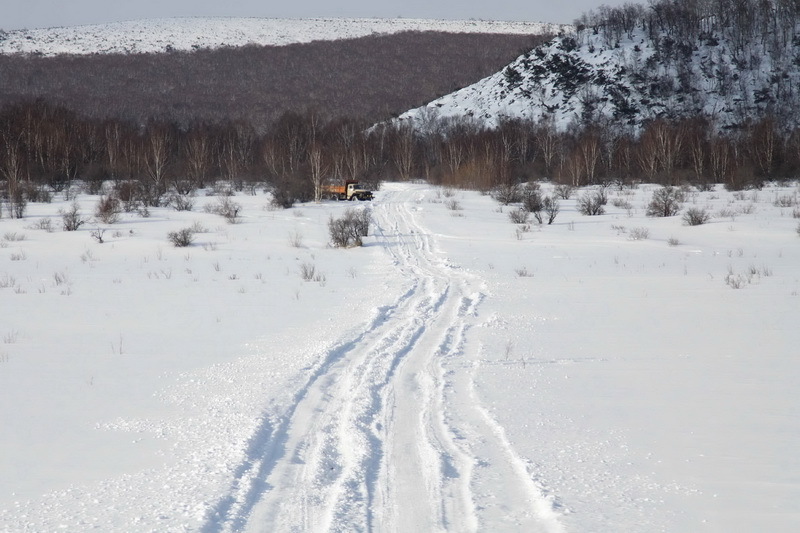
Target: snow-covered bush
(551, 208)
(348, 230)
(564, 191)
(108, 209)
(225, 207)
(591, 204)
(181, 238)
(181, 202)
(507, 194)
(696, 216)
(639, 234)
(72, 218)
(452, 204)
(666, 202)
(519, 216)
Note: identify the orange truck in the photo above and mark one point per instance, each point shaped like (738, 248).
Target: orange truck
(350, 190)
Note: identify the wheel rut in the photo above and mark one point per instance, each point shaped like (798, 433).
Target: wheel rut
(386, 435)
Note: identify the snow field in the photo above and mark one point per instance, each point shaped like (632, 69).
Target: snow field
(457, 373)
(193, 33)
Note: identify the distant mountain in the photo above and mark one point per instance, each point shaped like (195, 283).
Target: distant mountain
(187, 34)
(676, 59)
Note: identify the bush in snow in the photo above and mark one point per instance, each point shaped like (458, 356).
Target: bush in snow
(695, 216)
(507, 194)
(452, 204)
(181, 202)
(551, 209)
(564, 191)
(348, 230)
(108, 209)
(519, 216)
(181, 238)
(72, 218)
(532, 201)
(225, 207)
(591, 204)
(666, 202)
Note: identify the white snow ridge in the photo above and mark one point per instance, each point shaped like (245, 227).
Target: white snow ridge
(186, 34)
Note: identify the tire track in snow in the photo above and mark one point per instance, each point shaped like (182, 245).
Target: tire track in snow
(372, 442)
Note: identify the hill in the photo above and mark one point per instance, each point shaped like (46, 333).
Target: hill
(254, 70)
(731, 62)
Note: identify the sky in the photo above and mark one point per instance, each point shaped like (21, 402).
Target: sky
(28, 14)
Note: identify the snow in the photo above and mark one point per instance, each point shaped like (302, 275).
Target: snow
(186, 34)
(456, 373)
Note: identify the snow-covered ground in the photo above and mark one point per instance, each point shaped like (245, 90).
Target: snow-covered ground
(160, 35)
(456, 373)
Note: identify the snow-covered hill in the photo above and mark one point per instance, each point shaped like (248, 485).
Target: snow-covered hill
(161, 35)
(586, 78)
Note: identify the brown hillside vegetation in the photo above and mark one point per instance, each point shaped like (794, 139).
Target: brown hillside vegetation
(370, 78)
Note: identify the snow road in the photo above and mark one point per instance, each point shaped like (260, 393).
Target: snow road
(388, 434)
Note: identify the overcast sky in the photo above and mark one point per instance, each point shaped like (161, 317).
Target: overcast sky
(19, 14)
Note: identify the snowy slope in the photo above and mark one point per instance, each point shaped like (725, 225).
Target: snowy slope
(457, 373)
(584, 79)
(160, 35)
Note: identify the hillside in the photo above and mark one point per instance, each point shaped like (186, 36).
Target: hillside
(370, 78)
(630, 65)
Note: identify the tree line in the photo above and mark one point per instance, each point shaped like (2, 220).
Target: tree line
(740, 22)
(46, 148)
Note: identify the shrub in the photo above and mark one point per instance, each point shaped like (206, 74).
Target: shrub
(17, 203)
(108, 209)
(129, 194)
(452, 204)
(785, 200)
(308, 272)
(621, 203)
(507, 194)
(666, 202)
(591, 204)
(639, 234)
(348, 230)
(72, 218)
(181, 202)
(98, 234)
(696, 216)
(532, 202)
(225, 207)
(564, 191)
(37, 193)
(181, 238)
(519, 216)
(362, 220)
(45, 224)
(551, 208)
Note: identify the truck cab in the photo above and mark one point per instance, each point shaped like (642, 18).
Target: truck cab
(356, 193)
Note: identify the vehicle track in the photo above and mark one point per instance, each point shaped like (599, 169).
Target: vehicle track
(388, 433)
